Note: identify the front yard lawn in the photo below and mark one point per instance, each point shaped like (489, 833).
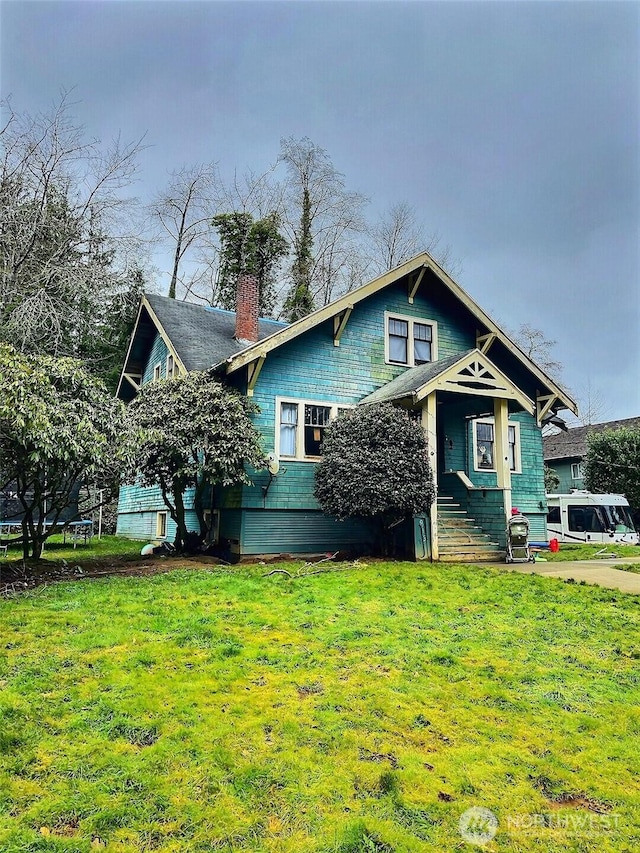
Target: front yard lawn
(362, 710)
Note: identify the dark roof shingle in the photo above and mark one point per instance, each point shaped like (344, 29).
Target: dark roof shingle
(573, 442)
(202, 336)
(412, 380)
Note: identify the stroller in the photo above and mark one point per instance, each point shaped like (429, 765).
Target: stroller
(518, 540)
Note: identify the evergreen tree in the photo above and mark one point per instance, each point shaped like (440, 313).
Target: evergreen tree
(248, 246)
(299, 301)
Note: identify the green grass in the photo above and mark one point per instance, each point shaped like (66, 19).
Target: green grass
(55, 549)
(360, 710)
(589, 552)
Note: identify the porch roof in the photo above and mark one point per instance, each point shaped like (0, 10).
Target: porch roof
(470, 372)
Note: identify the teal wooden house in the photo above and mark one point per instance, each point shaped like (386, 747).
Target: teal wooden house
(411, 337)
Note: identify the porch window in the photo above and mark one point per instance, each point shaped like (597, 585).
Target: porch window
(513, 461)
(409, 341)
(484, 443)
(484, 446)
(302, 425)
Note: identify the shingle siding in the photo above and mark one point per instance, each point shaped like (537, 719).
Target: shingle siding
(280, 514)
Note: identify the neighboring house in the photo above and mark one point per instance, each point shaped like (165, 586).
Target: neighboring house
(412, 337)
(565, 452)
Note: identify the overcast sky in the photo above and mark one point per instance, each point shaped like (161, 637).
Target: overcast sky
(512, 128)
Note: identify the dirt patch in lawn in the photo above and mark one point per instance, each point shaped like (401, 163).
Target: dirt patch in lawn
(18, 577)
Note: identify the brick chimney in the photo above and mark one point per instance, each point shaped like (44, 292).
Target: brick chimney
(247, 308)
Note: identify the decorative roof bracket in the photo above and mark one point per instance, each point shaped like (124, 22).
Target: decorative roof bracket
(483, 342)
(543, 406)
(413, 286)
(253, 371)
(133, 379)
(339, 324)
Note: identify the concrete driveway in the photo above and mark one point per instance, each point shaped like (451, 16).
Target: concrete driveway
(604, 573)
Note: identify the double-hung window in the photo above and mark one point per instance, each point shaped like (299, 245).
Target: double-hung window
(301, 427)
(157, 372)
(577, 470)
(484, 446)
(409, 341)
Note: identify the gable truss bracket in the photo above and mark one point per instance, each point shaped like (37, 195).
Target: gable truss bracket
(339, 324)
(133, 379)
(253, 371)
(413, 286)
(483, 342)
(543, 406)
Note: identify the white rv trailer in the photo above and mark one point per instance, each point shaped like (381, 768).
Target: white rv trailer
(582, 516)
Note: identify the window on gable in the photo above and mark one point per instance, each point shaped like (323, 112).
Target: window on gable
(484, 443)
(422, 334)
(409, 341)
(172, 368)
(157, 372)
(398, 341)
(302, 425)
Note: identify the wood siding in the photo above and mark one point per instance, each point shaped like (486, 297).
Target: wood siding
(281, 515)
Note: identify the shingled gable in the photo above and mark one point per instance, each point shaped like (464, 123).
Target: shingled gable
(197, 336)
(416, 271)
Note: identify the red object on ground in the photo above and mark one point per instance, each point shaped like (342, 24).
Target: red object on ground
(554, 545)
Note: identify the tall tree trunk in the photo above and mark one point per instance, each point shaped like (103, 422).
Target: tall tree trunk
(181, 525)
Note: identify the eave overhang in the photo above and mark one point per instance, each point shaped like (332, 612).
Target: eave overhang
(134, 366)
(414, 270)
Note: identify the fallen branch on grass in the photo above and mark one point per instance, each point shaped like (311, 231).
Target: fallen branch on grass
(302, 574)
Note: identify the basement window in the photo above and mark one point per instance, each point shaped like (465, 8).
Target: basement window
(161, 525)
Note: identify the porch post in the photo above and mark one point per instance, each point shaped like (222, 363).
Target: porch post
(501, 417)
(428, 420)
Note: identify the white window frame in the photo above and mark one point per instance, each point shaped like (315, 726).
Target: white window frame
(577, 470)
(423, 321)
(173, 370)
(301, 403)
(157, 371)
(517, 445)
(162, 520)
